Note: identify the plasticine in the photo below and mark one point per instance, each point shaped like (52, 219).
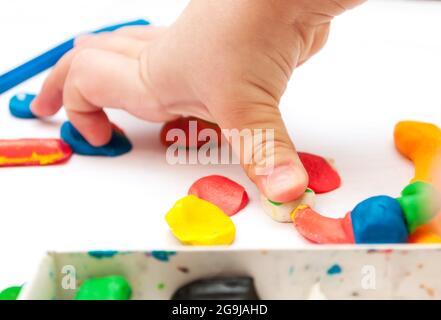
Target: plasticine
(281, 212)
(106, 288)
(20, 106)
(10, 293)
(323, 177)
(225, 193)
(102, 254)
(421, 143)
(320, 229)
(194, 221)
(191, 137)
(379, 220)
(420, 202)
(33, 152)
(424, 235)
(117, 146)
(232, 288)
(382, 219)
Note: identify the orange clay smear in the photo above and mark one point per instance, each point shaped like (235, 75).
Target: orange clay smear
(421, 143)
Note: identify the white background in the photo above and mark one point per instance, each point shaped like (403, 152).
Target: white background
(382, 64)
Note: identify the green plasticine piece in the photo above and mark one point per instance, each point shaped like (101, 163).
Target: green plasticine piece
(10, 293)
(278, 204)
(106, 288)
(420, 202)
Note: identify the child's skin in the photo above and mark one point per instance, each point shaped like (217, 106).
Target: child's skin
(226, 61)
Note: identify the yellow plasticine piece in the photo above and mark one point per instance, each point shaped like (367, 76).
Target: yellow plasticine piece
(198, 222)
(429, 238)
(435, 224)
(423, 235)
(428, 233)
(421, 143)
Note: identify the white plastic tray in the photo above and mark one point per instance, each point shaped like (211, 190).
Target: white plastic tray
(320, 273)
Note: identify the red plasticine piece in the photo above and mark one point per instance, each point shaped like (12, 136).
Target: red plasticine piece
(323, 230)
(228, 195)
(322, 176)
(33, 152)
(184, 124)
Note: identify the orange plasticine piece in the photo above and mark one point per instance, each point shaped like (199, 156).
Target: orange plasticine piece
(421, 143)
(435, 224)
(428, 233)
(424, 235)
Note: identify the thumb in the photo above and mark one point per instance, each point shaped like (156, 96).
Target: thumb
(265, 149)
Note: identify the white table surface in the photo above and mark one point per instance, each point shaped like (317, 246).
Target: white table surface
(382, 64)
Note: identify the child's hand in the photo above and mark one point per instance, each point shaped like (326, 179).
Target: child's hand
(224, 61)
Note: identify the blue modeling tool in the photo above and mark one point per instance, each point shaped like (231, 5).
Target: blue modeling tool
(33, 67)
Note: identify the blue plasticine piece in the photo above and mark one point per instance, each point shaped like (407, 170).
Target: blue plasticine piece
(20, 106)
(379, 220)
(118, 145)
(46, 60)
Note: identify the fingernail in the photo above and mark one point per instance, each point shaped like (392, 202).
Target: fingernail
(285, 183)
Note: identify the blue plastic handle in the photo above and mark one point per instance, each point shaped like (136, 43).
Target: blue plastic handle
(46, 60)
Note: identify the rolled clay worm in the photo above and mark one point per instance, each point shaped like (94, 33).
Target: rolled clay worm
(33, 152)
(376, 220)
(383, 219)
(320, 229)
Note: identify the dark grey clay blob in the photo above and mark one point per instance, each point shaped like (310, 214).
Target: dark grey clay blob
(231, 288)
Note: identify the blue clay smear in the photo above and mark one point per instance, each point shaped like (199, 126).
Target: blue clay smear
(163, 256)
(102, 254)
(118, 145)
(335, 269)
(379, 220)
(20, 106)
